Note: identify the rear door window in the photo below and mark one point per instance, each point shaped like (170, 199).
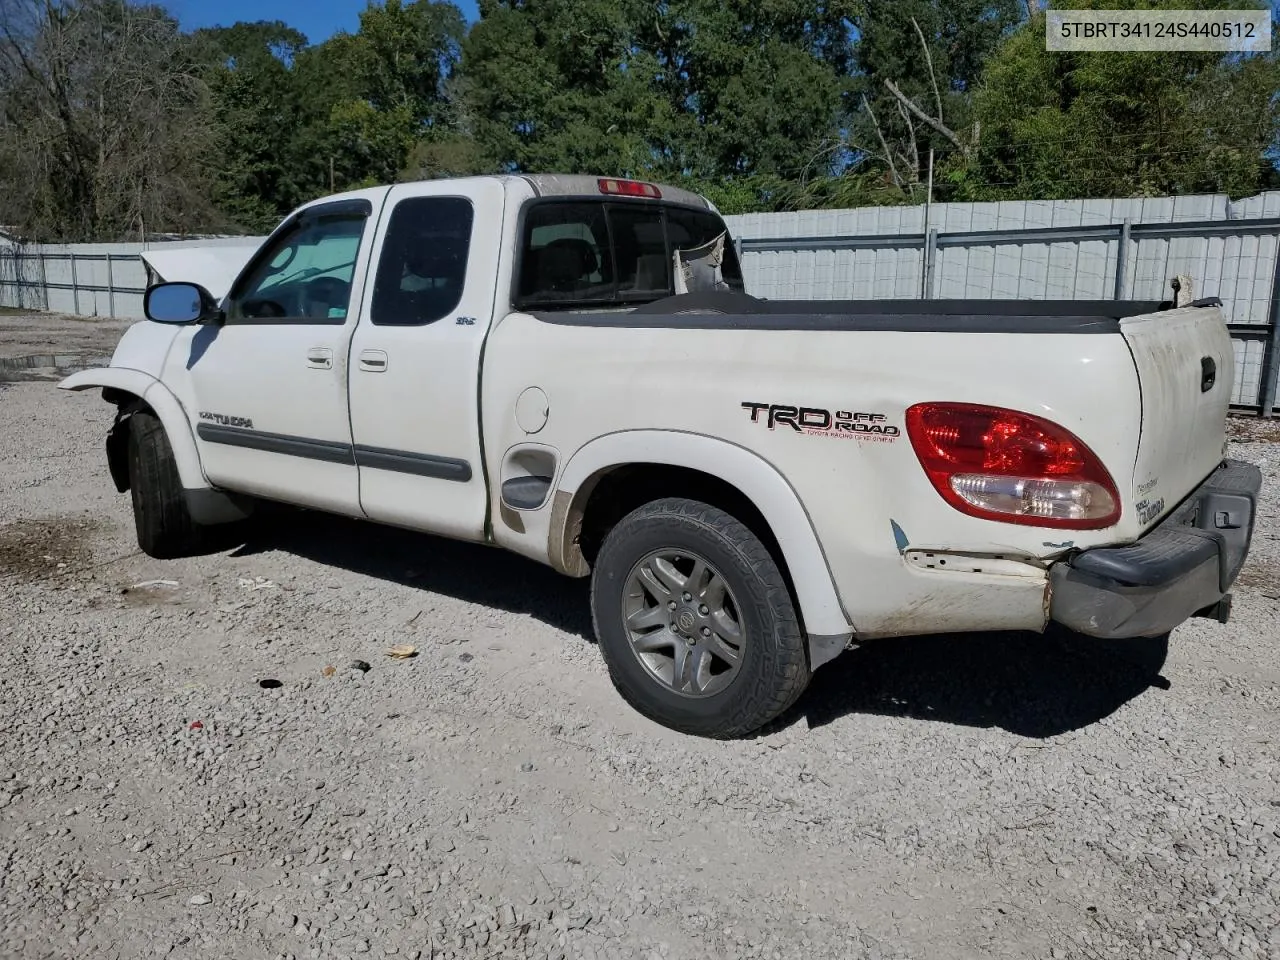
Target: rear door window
(423, 266)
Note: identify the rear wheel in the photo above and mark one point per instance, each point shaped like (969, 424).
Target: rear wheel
(163, 523)
(695, 620)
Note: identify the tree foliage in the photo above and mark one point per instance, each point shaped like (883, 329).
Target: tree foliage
(1121, 124)
(103, 127)
(113, 122)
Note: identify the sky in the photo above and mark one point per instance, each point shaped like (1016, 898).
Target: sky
(318, 19)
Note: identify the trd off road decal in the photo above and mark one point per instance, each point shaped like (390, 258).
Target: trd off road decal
(223, 420)
(843, 424)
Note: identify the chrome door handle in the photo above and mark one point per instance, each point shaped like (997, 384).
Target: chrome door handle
(320, 357)
(373, 361)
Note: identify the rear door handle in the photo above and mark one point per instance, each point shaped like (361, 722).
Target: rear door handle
(373, 361)
(320, 357)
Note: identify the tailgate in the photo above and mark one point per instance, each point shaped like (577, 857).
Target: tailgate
(1185, 365)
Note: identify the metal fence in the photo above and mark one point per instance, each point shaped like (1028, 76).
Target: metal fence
(1064, 249)
(83, 279)
(1060, 249)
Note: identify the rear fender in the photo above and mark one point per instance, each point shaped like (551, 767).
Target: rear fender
(755, 478)
(162, 402)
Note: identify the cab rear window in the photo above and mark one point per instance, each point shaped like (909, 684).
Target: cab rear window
(592, 253)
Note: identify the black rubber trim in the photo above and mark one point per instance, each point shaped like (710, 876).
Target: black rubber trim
(355, 206)
(1163, 556)
(731, 302)
(329, 451)
(735, 311)
(526, 493)
(418, 464)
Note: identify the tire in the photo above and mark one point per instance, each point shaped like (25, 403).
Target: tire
(647, 553)
(164, 526)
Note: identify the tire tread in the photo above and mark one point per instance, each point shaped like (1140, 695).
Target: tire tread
(164, 526)
(786, 675)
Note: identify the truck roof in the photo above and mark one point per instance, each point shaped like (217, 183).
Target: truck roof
(586, 185)
(544, 184)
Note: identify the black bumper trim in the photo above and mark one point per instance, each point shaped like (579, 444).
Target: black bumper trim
(1183, 565)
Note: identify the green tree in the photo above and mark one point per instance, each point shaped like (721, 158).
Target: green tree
(918, 63)
(735, 94)
(300, 121)
(103, 121)
(257, 107)
(1057, 124)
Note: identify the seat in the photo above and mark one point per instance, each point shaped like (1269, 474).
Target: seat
(564, 263)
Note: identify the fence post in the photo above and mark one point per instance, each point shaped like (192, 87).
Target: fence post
(1122, 259)
(111, 290)
(75, 287)
(930, 256)
(1271, 348)
(44, 279)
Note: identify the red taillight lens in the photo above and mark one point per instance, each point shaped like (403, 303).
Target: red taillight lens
(629, 188)
(1004, 465)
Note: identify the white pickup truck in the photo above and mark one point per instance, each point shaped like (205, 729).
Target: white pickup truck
(567, 367)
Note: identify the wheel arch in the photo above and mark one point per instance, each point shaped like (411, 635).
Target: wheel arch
(123, 386)
(677, 463)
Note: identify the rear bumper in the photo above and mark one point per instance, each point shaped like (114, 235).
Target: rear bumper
(1182, 566)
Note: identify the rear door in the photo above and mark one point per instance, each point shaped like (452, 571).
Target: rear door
(415, 357)
(1185, 369)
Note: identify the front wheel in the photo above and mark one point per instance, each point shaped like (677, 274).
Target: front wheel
(695, 620)
(160, 515)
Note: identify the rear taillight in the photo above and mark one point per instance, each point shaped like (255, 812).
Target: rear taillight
(629, 188)
(1004, 465)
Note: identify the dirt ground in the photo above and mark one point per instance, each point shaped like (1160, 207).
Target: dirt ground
(1002, 796)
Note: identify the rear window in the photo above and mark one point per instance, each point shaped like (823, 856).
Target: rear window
(592, 253)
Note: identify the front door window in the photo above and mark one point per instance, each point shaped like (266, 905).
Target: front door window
(306, 274)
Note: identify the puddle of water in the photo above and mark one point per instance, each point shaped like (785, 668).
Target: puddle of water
(47, 366)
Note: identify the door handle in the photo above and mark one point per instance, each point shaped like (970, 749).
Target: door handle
(373, 361)
(320, 357)
(1208, 374)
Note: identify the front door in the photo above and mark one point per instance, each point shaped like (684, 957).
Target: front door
(415, 357)
(267, 389)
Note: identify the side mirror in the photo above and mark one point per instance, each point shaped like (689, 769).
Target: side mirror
(179, 303)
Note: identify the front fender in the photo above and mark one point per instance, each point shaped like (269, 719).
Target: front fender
(755, 477)
(166, 406)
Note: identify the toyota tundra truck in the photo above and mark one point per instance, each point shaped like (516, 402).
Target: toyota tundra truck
(568, 368)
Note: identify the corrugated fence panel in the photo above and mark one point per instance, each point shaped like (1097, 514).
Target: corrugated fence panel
(1240, 268)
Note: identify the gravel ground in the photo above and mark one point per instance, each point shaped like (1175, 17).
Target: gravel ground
(1004, 796)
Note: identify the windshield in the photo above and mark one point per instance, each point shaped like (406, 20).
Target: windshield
(602, 253)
